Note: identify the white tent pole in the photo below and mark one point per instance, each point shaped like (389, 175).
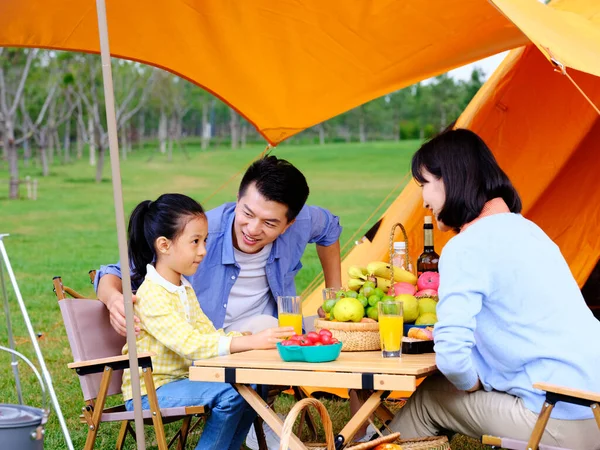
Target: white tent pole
(36, 346)
(113, 144)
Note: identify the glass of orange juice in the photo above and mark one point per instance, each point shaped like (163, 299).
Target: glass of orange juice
(391, 326)
(289, 310)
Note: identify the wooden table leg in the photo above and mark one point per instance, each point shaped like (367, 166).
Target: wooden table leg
(369, 406)
(267, 414)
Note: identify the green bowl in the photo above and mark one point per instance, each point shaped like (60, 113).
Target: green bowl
(320, 353)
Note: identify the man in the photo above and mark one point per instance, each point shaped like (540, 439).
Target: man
(254, 249)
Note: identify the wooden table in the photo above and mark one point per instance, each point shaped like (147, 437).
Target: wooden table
(352, 370)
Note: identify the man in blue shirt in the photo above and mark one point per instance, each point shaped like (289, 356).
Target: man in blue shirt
(254, 249)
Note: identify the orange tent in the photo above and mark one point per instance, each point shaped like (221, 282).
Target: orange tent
(545, 135)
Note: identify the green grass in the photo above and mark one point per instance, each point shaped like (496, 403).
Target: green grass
(71, 229)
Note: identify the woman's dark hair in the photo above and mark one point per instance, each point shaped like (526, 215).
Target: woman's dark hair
(166, 216)
(470, 174)
(279, 181)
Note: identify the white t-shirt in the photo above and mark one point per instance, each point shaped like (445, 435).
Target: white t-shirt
(250, 293)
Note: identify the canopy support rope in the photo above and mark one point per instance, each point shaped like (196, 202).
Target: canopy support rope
(320, 276)
(560, 67)
(220, 188)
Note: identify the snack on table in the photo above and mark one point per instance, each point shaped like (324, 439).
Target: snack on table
(425, 334)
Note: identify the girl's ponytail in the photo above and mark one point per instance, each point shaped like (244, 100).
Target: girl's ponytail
(141, 252)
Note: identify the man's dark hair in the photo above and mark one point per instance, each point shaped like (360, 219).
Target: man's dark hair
(470, 174)
(279, 181)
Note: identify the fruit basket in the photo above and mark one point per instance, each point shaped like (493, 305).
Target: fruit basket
(321, 353)
(355, 337)
(426, 443)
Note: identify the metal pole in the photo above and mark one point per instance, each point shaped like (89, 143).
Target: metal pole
(36, 346)
(113, 144)
(14, 361)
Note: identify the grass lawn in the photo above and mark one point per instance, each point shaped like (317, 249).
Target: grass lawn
(71, 229)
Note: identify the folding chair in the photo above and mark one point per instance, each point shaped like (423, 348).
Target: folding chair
(98, 361)
(554, 394)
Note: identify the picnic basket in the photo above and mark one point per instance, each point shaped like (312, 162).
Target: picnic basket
(425, 443)
(361, 337)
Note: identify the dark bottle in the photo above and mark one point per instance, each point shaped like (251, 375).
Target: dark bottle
(428, 261)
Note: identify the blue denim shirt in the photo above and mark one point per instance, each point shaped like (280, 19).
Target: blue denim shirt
(218, 271)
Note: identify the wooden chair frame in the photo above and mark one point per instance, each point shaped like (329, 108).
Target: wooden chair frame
(554, 394)
(94, 409)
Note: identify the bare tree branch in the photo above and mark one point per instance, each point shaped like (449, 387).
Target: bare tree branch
(30, 56)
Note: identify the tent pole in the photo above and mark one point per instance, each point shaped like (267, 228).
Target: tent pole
(113, 144)
(36, 346)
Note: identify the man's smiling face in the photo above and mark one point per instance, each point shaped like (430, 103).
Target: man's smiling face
(258, 221)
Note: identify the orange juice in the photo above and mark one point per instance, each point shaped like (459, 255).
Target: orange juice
(390, 332)
(291, 320)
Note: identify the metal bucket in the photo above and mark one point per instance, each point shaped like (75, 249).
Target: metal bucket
(22, 427)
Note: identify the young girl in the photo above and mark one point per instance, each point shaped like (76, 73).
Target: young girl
(167, 241)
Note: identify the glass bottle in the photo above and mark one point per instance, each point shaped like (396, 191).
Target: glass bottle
(428, 261)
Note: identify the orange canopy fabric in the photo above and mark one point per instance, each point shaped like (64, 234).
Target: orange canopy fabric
(568, 32)
(283, 65)
(545, 135)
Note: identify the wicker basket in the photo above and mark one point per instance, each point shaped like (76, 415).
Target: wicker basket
(355, 337)
(427, 443)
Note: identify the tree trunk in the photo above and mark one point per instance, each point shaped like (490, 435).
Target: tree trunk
(92, 139)
(79, 142)
(67, 144)
(321, 134)
(141, 130)
(57, 145)
(162, 131)
(100, 165)
(234, 126)
(44, 155)
(123, 137)
(26, 153)
(206, 127)
(11, 154)
(362, 133)
(244, 135)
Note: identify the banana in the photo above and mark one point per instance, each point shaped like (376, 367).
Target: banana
(384, 283)
(357, 272)
(382, 269)
(355, 284)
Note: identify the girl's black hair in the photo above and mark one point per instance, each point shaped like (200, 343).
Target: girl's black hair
(470, 174)
(166, 216)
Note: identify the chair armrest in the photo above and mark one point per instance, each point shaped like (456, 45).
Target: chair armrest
(562, 390)
(115, 362)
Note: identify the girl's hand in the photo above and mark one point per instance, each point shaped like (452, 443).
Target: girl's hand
(268, 338)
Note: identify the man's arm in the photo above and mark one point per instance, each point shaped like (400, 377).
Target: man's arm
(110, 292)
(331, 263)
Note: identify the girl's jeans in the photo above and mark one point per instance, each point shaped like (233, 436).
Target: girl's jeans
(230, 416)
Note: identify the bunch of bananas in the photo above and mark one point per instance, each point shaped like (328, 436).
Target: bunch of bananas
(380, 273)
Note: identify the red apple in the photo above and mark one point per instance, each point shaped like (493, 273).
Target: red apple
(402, 287)
(426, 293)
(428, 280)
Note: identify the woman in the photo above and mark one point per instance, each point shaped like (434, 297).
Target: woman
(510, 312)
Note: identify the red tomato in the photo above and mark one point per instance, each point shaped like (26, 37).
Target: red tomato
(295, 337)
(324, 332)
(334, 341)
(305, 342)
(325, 340)
(288, 342)
(312, 337)
(316, 344)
